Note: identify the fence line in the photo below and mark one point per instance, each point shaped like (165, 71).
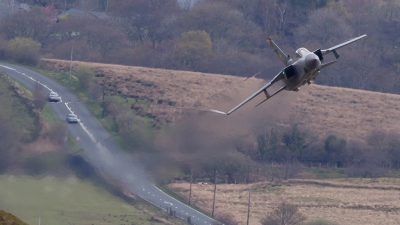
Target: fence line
(170, 212)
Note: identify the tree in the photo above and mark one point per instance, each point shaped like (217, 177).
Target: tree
(325, 27)
(385, 144)
(295, 141)
(33, 24)
(268, 145)
(144, 20)
(84, 74)
(335, 149)
(24, 50)
(224, 25)
(193, 47)
(88, 35)
(285, 214)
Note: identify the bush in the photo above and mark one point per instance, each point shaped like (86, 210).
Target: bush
(24, 50)
(321, 222)
(58, 133)
(84, 74)
(284, 214)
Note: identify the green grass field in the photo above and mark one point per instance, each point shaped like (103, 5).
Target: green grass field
(70, 201)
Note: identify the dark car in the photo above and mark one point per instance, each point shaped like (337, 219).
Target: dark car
(72, 118)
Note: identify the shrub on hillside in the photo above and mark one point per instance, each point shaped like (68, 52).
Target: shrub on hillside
(24, 50)
(84, 74)
(287, 214)
(321, 222)
(58, 133)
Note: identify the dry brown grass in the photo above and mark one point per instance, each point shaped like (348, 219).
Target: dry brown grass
(344, 202)
(179, 88)
(349, 112)
(327, 110)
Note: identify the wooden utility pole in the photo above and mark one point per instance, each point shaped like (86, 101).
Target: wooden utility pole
(248, 208)
(70, 65)
(215, 190)
(190, 188)
(102, 100)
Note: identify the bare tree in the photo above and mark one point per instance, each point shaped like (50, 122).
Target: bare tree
(285, 214)
(33, 24)
(324, 26)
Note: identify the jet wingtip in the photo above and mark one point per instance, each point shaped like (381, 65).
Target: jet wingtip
(219, 112)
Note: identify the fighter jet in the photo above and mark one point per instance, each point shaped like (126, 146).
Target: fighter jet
(298, 72)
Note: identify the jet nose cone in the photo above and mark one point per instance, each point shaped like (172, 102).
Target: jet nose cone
(312, 62)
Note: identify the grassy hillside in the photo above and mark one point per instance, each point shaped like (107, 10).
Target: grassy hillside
(347, 112)
(344, 201)
(325, 110)
(71, 201)
(15, 110)
(9, 219)
(153, 91)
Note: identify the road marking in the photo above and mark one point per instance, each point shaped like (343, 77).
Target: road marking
(22, 73)
(80, 123)
(168, 202)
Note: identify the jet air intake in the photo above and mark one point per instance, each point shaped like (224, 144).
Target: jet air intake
(289, 72)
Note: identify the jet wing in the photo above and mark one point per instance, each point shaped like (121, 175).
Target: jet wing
(277, 78)
(334, 48)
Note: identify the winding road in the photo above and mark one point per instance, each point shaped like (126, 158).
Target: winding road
(100, 150)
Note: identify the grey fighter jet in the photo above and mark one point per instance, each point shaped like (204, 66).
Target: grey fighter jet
(298, 72)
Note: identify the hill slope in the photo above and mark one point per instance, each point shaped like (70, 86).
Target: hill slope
(326, 110)
(9, 219)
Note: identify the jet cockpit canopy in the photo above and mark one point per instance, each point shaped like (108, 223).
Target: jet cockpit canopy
(300, 52)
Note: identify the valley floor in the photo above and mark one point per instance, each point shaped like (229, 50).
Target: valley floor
(344, 201)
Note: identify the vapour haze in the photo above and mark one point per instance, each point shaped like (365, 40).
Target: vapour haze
(207, 138)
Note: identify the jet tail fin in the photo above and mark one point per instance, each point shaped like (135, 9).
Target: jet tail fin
(284, 58)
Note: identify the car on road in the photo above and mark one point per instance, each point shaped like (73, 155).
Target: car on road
(53, 97)
(72, 118)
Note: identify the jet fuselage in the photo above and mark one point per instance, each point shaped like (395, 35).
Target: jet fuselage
(306, 67)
